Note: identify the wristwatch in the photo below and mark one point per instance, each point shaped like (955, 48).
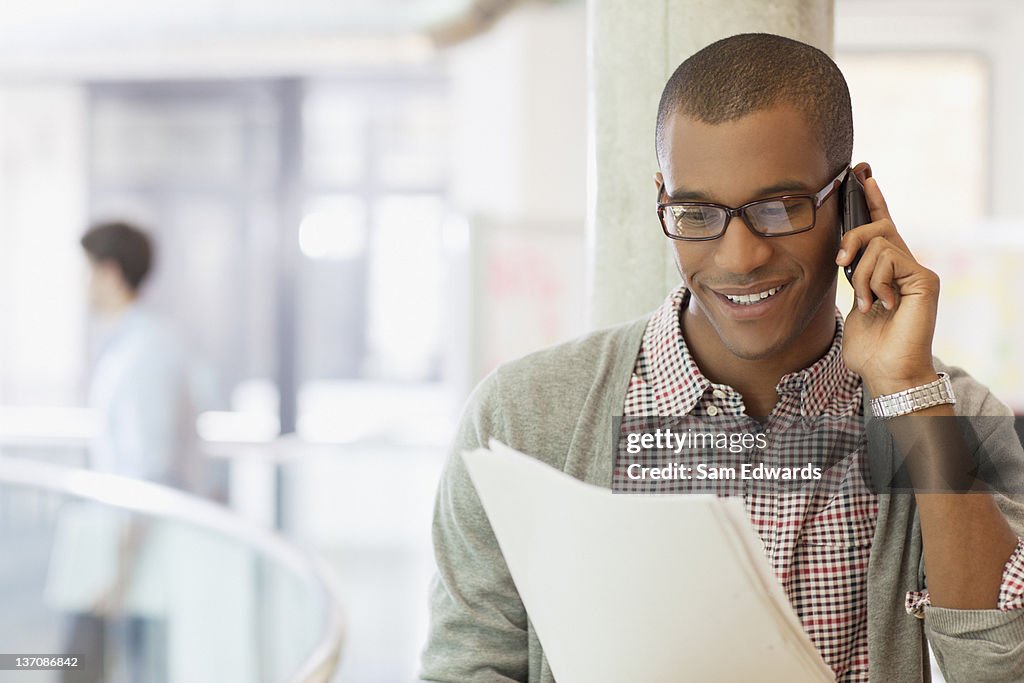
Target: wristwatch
(911, 400)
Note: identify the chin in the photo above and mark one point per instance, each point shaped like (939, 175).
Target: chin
(755, 351)
(758, 340)
(767, 339)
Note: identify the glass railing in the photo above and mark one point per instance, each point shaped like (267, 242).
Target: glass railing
(114, 579)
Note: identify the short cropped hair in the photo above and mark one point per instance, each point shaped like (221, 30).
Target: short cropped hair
(124, 244)
(750, 72)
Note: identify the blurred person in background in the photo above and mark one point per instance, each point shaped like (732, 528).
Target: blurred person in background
(139, 385)
(141, 392)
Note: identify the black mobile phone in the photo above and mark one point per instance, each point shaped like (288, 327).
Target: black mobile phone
(855, 213)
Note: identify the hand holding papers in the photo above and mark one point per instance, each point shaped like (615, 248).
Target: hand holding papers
(645, 588)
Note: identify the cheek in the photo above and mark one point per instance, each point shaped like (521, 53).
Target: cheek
(826, 255)
(830, 235)
(816, 254)
(689, 259)
(98, 286)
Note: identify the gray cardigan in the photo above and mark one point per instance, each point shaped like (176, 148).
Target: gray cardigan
(558, 404)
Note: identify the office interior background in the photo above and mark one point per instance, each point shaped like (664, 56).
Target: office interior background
(363, 207)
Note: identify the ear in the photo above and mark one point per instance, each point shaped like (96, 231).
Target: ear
(659, 180)
(862, 171)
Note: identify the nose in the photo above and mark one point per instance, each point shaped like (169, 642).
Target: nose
(740, 250)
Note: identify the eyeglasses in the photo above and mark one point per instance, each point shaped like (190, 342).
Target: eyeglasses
(771, 217)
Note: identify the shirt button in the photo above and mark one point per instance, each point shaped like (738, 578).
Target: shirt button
(718, 393)
(712, 410)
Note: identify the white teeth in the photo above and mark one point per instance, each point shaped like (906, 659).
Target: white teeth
(747, 299)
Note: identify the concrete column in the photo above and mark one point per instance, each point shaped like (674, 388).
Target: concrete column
(633, 48)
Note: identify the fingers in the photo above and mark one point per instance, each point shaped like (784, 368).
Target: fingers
(875, 273)
(858, 239)
(881, 225)
(882, 283)
(876, 202)
(889, 273)
(862, 170)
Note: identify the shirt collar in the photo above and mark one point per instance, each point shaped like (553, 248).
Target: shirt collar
(679, 385)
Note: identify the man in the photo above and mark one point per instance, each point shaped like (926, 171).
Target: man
(140, 391)
(753, 331)
(139, 385)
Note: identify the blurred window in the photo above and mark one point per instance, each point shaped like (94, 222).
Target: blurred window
(299, 226)
(375, 197)
(197, 164)
(922, 122)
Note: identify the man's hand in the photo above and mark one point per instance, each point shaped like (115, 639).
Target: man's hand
(888, 343)
(111, 601)
(966, 539)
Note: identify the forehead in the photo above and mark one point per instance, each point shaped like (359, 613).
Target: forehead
(731, 162)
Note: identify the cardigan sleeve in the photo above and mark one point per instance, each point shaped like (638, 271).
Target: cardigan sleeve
(987, 645)
(1011, 589)
(478, 624)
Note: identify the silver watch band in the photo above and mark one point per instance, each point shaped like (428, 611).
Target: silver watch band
(911, 400)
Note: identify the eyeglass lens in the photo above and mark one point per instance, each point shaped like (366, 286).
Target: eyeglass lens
(770, 217)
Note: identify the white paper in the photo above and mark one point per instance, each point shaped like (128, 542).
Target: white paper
(651, 588)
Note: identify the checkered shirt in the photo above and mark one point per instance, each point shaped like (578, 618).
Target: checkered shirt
(816, 537)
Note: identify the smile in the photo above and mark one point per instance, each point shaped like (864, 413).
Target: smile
(750, 299)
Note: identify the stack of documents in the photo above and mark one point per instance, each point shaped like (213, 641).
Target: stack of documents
(645, 588)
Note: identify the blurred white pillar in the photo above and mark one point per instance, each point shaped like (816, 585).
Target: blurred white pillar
(633, 48)
(42, 216)
(519, 149)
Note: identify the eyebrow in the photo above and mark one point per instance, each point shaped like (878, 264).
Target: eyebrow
(782, 187)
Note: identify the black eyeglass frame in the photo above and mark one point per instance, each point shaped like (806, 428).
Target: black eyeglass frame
(817, 200)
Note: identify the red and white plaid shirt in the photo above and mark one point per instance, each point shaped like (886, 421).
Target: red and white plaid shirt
(817, 538)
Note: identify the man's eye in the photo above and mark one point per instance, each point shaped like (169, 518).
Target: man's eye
(690, 217)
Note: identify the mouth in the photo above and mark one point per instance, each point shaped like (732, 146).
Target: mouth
(754, 297)
(751, 304)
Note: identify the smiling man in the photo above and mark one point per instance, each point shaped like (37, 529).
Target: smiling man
(766, 153)
(754, 140)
